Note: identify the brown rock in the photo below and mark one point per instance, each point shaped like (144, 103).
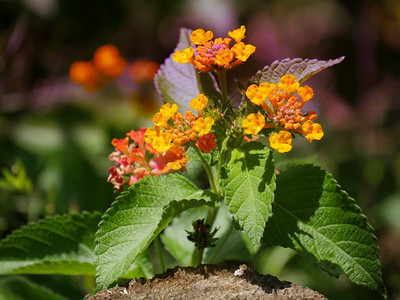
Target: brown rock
(209, 282)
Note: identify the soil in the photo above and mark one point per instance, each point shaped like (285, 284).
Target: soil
(209, 282)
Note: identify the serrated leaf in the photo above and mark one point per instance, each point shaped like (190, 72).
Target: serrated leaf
(248, 183)
(20, 288)
(180, 83)
(141, 268)
(301, 68)
(315, 217)
(137, 217)
(60, 244)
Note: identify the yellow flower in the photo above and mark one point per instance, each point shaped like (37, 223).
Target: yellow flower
(199, 103)
(168, 110)
(224, 57)
(288, 83)
(253, 123)
(238, 34)
(199, 37)
(242, 51)
(149, 135)
(162, 142)
(306, 93)
(160, 119)
(203, 125)
(281, 141)
(183, 56)
(268, 89)
(312, 131)
(256, 95)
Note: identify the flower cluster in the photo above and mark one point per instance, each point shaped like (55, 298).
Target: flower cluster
(173, 132)
(282, 104)
(106, 65)
(131, 161)
(215, 55)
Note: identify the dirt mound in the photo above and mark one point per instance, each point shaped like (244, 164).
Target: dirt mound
(209, 282)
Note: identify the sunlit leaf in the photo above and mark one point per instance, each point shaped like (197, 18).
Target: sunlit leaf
(248, 183)
(314, 216)
(137, 217)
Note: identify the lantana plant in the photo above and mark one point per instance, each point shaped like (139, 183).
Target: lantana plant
(158, 174)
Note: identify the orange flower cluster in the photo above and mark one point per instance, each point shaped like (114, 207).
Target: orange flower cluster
(173, 132)
(215, 55)
(131, 162)
(107, 64)
(283, 112)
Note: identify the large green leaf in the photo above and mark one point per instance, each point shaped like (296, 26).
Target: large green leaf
(61, 244)
(301, 68)
(314, 216)
(180, 83)
(248, 183)
(137, 217)
(20, 288)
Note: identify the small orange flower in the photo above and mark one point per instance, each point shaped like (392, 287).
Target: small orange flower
(253, 123)
(199, 103)
(203, 125)
(242, 51)
(199, 37)
(86, 74)
(238, 34)
(206, 143)
(288, 83)
(120, 144)
(183, 56)
(312, 131)
(108, 61)
(281, 141)
(176, 158)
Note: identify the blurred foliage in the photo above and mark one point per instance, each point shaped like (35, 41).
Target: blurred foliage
(55, 136)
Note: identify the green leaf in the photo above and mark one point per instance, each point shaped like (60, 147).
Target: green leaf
(141, 268)
(301, 68)
(194, 169)
(248, 183)
(137, 217)
(20, 288)
(60, 244)
(314, 216)
(180, 83)
(230, 245)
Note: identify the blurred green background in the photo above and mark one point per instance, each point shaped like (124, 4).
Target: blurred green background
(55, 136)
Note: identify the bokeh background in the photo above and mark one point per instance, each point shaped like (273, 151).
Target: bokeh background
(55, 135)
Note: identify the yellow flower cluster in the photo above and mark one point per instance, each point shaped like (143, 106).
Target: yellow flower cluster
(282, 104)
(215, 55)
(172, 131)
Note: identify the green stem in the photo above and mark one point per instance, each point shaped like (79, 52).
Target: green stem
(197, 257)
(223, 85)
(160, 255)
(221, 160)
(220, 245)
(210, 174)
